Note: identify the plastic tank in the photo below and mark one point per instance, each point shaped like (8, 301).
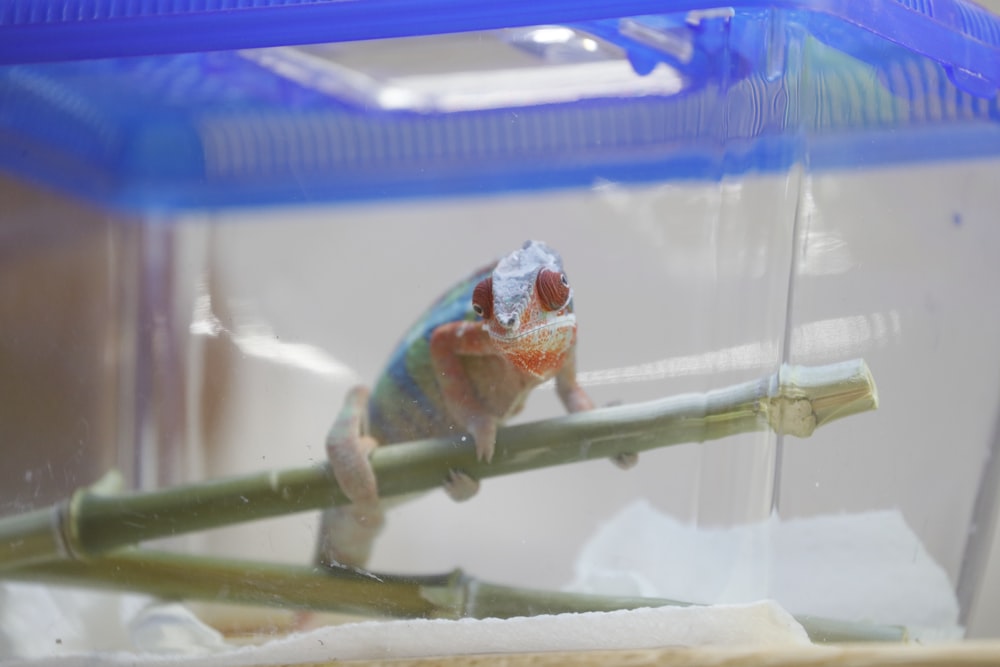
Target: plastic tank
(218, 219)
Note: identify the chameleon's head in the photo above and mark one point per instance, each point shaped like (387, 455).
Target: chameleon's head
(527, 306)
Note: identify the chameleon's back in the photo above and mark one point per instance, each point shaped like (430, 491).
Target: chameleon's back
(406, 403)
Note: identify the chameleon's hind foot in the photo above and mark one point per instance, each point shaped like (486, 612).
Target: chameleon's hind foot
(460, 486)
(348, 447)
(347, 532)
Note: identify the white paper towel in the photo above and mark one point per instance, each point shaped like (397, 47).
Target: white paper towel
(859, 567)
(754, 625)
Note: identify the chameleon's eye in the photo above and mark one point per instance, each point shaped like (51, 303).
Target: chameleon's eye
(482, 298)
(553, 289)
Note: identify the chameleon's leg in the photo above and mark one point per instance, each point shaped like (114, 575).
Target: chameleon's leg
(348, 532)
(449, 343)
(576, 400)
(570, 392)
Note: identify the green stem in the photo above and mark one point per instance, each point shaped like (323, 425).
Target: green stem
(450, 595)
(794, 400)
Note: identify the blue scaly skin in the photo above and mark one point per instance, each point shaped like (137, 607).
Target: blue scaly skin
(406, 403)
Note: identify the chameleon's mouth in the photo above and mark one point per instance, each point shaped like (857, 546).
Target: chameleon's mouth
(560, 322)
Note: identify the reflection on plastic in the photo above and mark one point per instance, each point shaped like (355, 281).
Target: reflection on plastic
(501, 69)
(831, 339)
(256, 338)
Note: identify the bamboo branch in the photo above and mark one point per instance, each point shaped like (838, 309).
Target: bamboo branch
(449, 595)
(795, 400)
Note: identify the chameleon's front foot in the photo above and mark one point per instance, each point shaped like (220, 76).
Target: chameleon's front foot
(459, 486)
(626, 460)
(347, 533)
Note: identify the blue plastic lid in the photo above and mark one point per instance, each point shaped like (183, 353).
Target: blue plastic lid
(955, 33)
(185, 121)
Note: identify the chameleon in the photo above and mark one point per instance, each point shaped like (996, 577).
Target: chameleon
(466, 366)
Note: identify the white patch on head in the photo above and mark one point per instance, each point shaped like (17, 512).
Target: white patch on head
(514, 277)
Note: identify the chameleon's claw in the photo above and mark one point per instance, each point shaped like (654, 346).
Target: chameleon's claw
(459, 486)
(484, 432)
(626, 460)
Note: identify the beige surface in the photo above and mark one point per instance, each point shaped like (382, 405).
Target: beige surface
(970, 654)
